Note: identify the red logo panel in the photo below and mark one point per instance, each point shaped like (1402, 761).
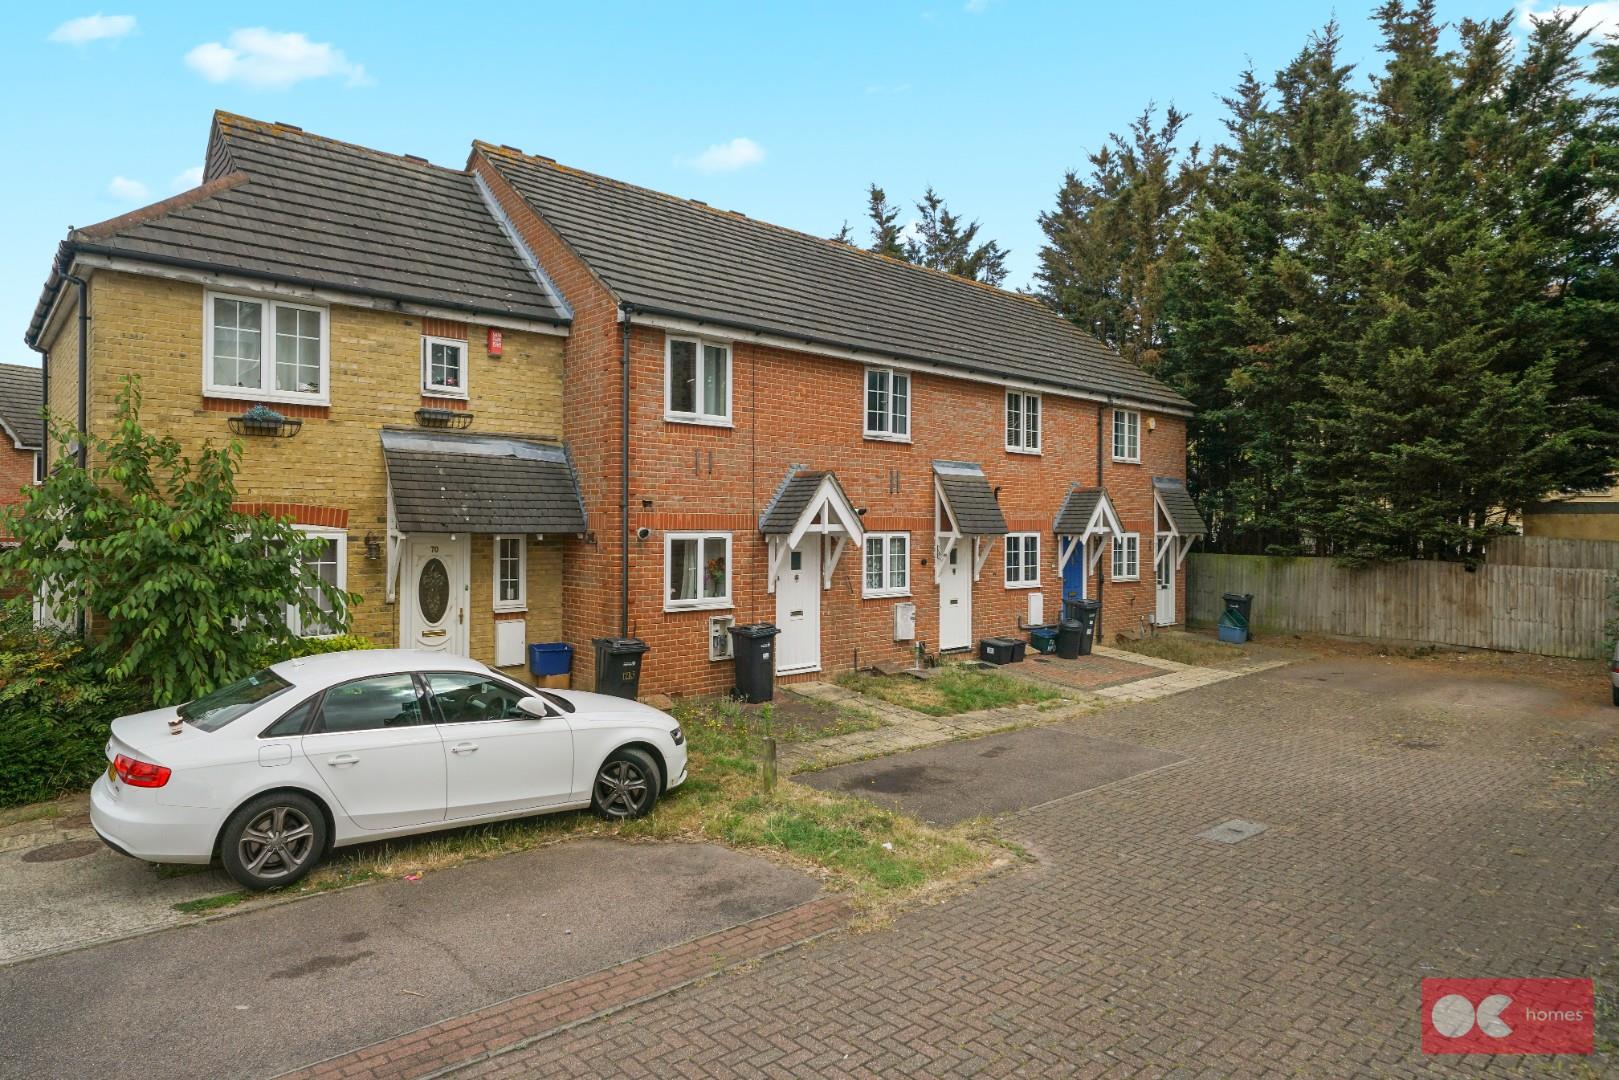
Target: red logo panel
(1508, 1016)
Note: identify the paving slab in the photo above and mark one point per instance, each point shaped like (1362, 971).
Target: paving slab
(991, 775)
(273, 989)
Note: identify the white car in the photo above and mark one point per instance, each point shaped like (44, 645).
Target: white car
(273, 771)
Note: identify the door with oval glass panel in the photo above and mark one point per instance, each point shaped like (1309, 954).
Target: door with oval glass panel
(433, 597)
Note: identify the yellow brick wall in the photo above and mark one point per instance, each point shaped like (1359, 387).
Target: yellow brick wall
(62, 357)
(153, 327)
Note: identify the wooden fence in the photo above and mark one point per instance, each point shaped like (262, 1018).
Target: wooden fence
(1549, 551)
(1550, 610)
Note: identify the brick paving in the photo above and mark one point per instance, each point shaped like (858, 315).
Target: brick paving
(510, 1024)
(1413, 829)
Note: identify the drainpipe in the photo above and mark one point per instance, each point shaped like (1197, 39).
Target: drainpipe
(84, 366)
(1101, 571)
(624, 478)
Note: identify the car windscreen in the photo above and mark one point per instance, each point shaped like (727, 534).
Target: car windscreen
(213, 711)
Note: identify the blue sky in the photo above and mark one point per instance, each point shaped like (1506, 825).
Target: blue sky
(785, 113)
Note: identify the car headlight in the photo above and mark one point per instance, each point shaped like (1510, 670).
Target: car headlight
(678, 736)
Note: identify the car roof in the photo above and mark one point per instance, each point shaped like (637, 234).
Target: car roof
(333, 667)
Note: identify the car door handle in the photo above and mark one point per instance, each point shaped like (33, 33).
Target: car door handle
(343, 759)
(463, 748)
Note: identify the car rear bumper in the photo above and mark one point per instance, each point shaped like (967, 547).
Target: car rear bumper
(138, 826)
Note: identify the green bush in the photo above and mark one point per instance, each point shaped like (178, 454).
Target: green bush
(314, 647)
(55, 708)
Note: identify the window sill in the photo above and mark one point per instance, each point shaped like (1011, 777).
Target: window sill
(1127, 461)
(1116, 577)
(887, 594)
(442, 392)
(699, 421)
(1023, 450)
(1022, 584)
(511, 609)
(875, 436)
(698, 605)
(244, 393)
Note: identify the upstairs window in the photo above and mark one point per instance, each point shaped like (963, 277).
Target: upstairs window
(888, 404)
(1022, 422)
(264, 350)
(1126, 435)
(1022, 560)
(444, 367)
(697, 381)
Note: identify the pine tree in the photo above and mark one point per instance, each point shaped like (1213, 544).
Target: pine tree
(887, 237)
(943, 242)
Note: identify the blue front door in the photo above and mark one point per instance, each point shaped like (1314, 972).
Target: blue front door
(1073, 574)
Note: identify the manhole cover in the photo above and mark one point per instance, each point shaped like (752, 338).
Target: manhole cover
(1233, 832)
(71, 849)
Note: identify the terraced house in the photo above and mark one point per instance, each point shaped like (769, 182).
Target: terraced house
(755, 424)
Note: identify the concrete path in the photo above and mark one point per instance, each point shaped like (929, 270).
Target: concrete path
(274, 989)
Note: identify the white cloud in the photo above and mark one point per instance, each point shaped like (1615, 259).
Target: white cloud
(739, 153)
(188, 179)
(267, 59)
(90, 28)
(975, 7)
(1601, 18)
(122, 187)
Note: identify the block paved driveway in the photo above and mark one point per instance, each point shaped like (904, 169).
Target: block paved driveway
(1423, 819)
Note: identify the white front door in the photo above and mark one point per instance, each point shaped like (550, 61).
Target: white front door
(1165, 554)
(434, 595)
(798, 609)
(956, 598)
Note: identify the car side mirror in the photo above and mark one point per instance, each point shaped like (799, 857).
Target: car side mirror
(534, 707)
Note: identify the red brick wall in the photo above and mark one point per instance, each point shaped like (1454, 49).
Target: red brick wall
(16, 473)
(796, 408)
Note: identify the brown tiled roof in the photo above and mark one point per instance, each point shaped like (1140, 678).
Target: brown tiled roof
(681, 258)
(972, 501)
(445, 482)
(1178, 502)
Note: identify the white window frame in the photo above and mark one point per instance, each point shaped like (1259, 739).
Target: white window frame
(266, 390)
(433, 389)
(1023, 539)
(700, 602)
(888, 588)
(521, 603)
(1133, 573)
(39, 467)
(698, 416)
(1024, 445)
(1131, 432)
(294, 621)
(887, 435)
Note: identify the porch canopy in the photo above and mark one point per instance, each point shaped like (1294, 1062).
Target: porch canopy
(964, 506)
(809, 503)
(440, 482)
(1177, 517)
(1084, 513)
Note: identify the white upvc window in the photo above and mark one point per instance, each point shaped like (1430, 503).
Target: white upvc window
(697, 381)
(264, 350)
(888, 404)
(444, 367)
(39, 466)
(1126, 435)
(888, 565)
(1127, 557)
(511, 573)
(696, 571)
(1022, 422)
(332, 563)
(1022, 560)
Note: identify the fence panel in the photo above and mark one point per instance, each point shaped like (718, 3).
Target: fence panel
(1517, 607)
(1553, 551)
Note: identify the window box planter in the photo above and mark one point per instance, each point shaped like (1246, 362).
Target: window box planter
(455, 419)
(263, 420)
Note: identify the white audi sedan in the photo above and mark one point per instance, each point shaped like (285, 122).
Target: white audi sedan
(270, 773)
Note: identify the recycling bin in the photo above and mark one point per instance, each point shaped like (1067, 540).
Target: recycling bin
(1242, 604)
(618, 666)
(753, 645)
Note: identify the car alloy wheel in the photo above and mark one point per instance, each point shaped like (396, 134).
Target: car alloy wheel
(277, 843)
(626, 785)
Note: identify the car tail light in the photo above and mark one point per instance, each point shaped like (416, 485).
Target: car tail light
(138, 773)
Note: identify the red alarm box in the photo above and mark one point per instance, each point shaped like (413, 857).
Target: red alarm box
(497, 342)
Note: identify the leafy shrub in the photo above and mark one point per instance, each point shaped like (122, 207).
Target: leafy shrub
(314, 647)
(55, 705)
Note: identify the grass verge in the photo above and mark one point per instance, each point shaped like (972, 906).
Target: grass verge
(952, 690)
(1183, 649)
(876, 856)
